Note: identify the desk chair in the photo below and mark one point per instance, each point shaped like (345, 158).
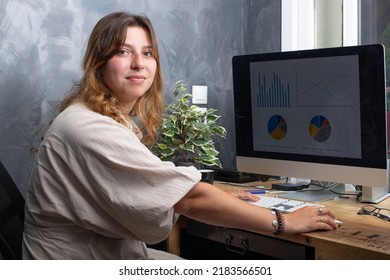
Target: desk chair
(11, 217)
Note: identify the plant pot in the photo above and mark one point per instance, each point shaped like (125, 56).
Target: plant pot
(207, 175)
(185, 163)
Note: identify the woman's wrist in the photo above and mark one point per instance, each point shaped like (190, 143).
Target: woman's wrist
(279, 223)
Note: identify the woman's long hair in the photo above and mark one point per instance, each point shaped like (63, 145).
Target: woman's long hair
(105, 41)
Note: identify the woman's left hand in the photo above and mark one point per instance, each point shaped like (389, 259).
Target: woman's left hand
(243, 195)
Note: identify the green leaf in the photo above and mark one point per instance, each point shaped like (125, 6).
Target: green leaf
(201, 142)
(162, 146)
(221, 131)
(169, 133)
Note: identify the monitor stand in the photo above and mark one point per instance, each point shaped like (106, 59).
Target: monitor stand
(373, 194)
(315, 194)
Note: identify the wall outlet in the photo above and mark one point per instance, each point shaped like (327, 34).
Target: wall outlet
(199, 94)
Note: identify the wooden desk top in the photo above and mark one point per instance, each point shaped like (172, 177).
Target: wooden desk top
(360, 237)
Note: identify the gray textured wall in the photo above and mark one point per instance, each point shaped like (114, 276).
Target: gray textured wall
(42, 43)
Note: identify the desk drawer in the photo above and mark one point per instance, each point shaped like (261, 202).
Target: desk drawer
(240, 242)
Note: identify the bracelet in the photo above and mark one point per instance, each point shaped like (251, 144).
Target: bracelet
(278, 223)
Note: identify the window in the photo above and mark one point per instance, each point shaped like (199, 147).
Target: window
(308, 24)
(297, 24)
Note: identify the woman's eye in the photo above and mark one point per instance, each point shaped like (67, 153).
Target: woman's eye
(124, 52)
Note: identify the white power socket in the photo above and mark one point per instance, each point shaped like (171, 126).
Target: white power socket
(199, 94)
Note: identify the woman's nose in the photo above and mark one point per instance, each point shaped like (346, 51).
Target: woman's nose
(137, 62)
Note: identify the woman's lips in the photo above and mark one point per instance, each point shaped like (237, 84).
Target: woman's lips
(136, 78)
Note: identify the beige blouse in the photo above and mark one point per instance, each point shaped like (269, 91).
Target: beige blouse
(97, 192)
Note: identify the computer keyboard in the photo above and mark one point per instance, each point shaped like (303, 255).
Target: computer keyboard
(282, 204)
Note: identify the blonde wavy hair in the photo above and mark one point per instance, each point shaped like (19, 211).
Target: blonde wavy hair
(106, 39)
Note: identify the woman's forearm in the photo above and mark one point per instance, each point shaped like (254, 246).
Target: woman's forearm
(209, 204)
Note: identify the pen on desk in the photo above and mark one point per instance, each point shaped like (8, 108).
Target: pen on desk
(256, 191)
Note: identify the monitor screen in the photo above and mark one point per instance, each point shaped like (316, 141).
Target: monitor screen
(314, 114)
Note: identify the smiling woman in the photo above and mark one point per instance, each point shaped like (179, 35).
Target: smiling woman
(130, 72)
(119, 70)
(93, 175)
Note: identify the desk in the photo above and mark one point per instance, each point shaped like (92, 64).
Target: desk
(360, 237)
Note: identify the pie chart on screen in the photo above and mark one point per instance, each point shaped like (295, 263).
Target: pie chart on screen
(277, 127)
(320, 128)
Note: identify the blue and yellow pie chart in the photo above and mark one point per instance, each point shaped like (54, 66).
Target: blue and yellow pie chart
(277, 127)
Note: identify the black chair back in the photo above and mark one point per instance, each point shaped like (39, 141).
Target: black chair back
(11, 217)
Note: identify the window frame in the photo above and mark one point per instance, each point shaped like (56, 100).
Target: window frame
(302, 25)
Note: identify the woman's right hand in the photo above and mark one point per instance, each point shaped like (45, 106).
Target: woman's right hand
(310, 218)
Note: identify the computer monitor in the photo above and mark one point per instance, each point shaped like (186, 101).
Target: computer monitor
(315, 114)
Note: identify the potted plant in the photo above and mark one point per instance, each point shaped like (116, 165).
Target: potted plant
(186, 135)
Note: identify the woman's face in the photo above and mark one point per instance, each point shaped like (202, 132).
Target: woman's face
(130, 72)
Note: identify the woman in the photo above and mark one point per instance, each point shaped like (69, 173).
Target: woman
(97, 192)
